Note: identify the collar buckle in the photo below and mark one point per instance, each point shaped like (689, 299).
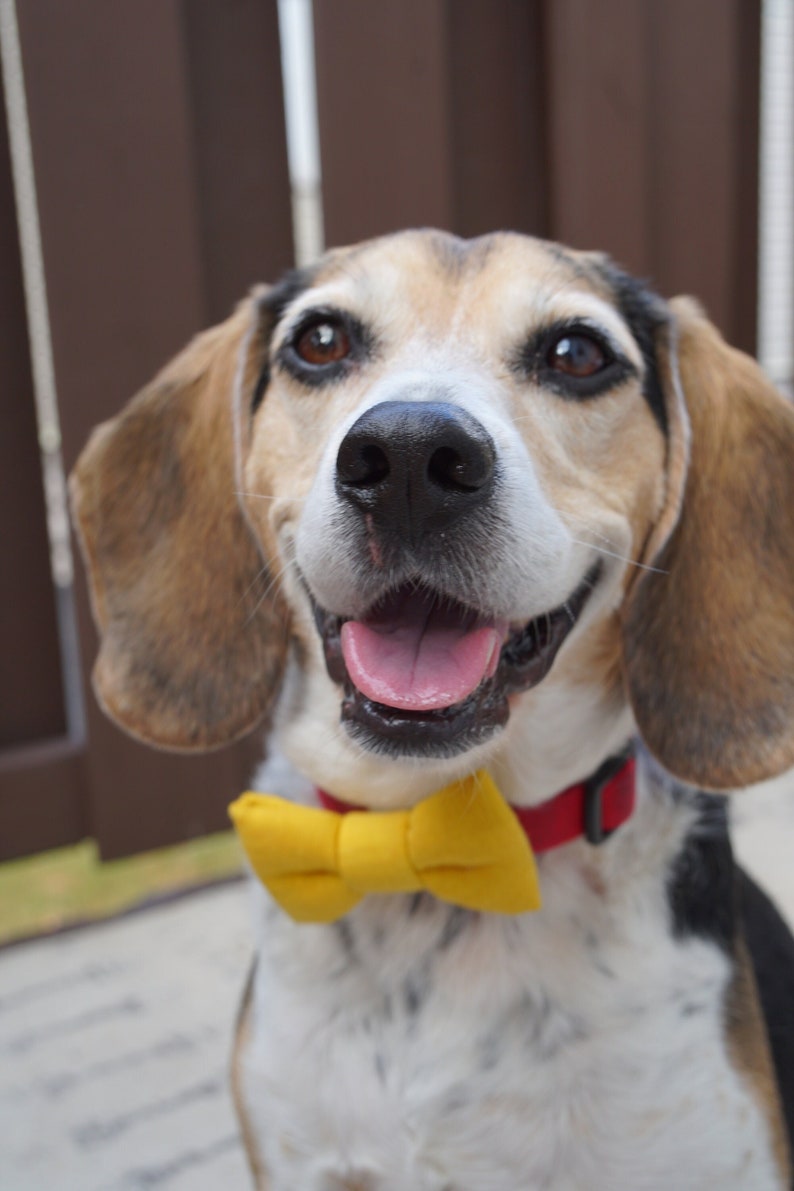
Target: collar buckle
(593, 807)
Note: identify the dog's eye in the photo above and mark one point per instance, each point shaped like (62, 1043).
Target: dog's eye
(322, 342)
(573, 360)
(578, 356)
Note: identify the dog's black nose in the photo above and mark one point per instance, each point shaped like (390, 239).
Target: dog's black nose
(416, 466)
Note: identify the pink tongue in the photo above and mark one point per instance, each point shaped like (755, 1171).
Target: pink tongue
(419, 659)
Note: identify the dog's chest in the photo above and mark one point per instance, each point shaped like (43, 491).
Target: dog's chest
(414, 1047)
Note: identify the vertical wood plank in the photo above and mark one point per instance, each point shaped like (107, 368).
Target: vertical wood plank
(31, 688)
(130, 278)
(654, 143)
(239, 144)
(42, 797)
(705, 131)
(382, 96)
(599, 103)
(430, 114)
(497, 116)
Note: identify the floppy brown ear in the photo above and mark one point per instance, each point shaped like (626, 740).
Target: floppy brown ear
(190, 654)
(709, 643)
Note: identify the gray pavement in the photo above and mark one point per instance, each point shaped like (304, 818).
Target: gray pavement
(114, 1052)
(115, 1039)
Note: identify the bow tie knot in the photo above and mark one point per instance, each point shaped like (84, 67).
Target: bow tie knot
(463, 844)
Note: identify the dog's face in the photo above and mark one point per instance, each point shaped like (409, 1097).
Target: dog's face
(467, 463)
(447, 478)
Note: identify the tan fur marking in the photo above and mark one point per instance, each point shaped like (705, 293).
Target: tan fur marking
(597, 660)
(242, 1039)
(748, 1047)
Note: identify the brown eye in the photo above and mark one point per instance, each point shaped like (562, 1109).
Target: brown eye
(322, 343)
(578, 356)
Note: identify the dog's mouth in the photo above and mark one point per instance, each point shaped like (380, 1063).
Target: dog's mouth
(424, 674)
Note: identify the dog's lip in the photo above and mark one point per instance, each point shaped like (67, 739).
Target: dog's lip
(527, 654)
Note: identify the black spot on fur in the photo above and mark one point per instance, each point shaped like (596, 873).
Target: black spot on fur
(271, 307)
(702, 885)
(489, 1050)
(344, 933)
(416, 990)
(602, 968)
(454, 1101)
(457, 921)
(580, 267)
(412, 997)
(694, 1009)
(645, 314)
(771, 947)
(419, 903)
(285, 291)
(263, 380)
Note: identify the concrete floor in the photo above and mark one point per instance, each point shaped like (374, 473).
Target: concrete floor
(114, 1039)
(114, 1050)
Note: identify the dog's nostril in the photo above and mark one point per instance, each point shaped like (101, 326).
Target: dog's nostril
(363, 464)
(374, 464)
(467, 472)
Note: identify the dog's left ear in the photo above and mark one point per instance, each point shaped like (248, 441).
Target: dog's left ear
(709, 641)
(192, 630)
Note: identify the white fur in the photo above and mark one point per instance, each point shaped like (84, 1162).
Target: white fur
(580, 1048)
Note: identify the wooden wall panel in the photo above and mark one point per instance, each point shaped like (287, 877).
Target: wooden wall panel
(31, 689)
(430, 114)
(653, 143)
(140, 252)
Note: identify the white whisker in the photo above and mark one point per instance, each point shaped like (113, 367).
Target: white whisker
(642, 566)
(252, 584)
(273, 581)
(255, 495)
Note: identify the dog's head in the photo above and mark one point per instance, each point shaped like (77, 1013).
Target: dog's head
(461, 486)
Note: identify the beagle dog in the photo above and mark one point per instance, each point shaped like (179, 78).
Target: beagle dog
(486, 516)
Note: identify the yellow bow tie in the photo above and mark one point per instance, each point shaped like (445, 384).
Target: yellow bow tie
(463, 844)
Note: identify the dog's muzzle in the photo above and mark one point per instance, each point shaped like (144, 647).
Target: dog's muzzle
(425, 669)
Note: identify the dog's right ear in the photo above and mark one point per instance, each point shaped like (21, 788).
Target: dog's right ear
(191, 654)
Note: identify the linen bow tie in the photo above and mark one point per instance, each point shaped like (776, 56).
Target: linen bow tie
(463, 844)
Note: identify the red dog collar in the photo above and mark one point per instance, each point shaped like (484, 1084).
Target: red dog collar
(593, 808)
